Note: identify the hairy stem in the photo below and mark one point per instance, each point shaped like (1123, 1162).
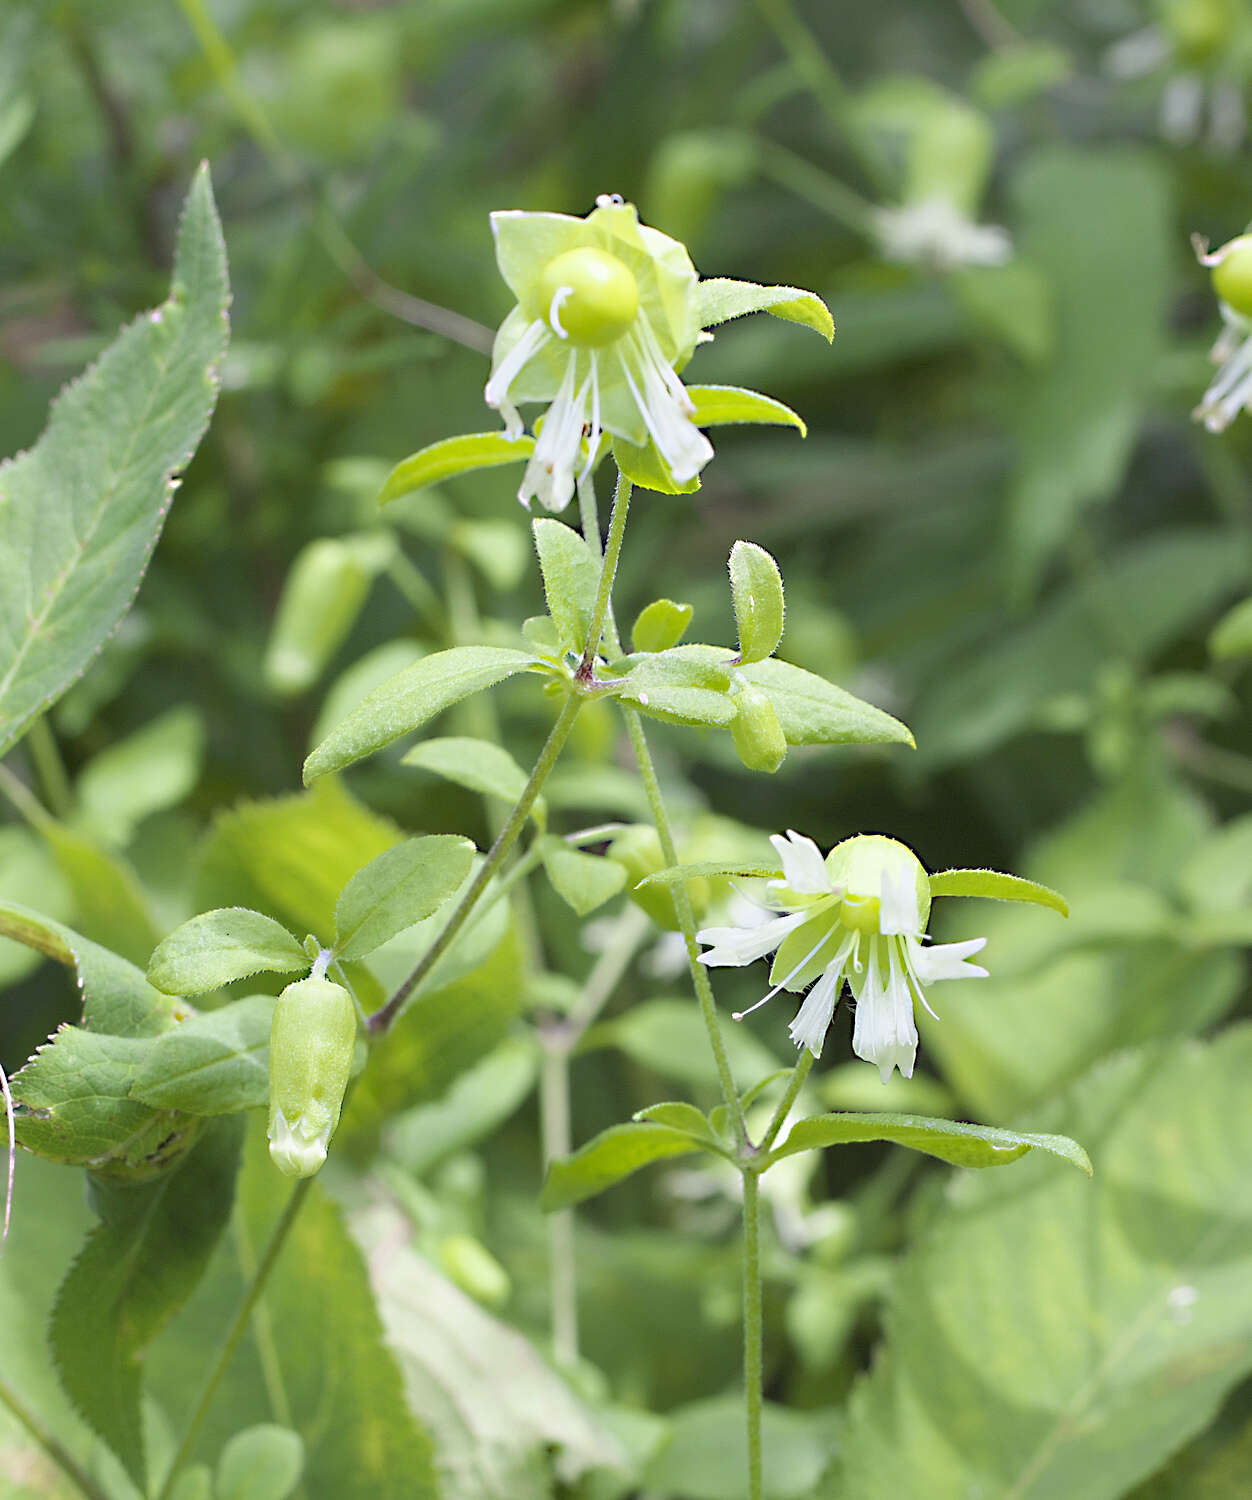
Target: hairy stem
(752, 1322)
(238, 1326)
(562, 1263)
(798, 1074)
(51, 1445)
(600, 614)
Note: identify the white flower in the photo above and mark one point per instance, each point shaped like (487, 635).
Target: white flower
(936, 233)
(1231, 389)
(859, 915)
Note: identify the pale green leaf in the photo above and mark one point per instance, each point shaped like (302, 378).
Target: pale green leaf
(322, 596)
(719, 299)
(496, 548)
(479, 765)
(660, 625)
(398, 888)
(220, 946)
(704, 1455)
(609, 1157)
(28, 871)
(1232, 635)
(950, 1140)
(756, 591)
(643, 465)
(81, 511)
(453, 456)
(709, 869)
(719, 404)
(409, 699)
(583, 881)
(813, 711)
(260, 1463)
(210, 1064)
(152, 769)
(685, 685)
(110, 906)
(571, 577)
(354, 683)
(996, 887)
(679, 1115)
(139, 1265)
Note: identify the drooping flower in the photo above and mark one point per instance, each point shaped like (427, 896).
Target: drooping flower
(1231, 388)
(608, 312)
(858, 916)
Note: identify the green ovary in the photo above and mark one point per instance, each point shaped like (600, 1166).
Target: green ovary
(589, 294)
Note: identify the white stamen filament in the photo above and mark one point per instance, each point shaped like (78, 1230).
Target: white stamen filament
(496, 391)
(559, 298)
(738, 1015)
(9, 1116)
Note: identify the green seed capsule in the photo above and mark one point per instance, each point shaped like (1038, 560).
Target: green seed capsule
(755, 729)
(588, 296)
(311, 1044)
(1232, 275)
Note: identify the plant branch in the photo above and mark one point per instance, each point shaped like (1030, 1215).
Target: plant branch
(600, 613)
(798, 1074)
(50, 1444)
(752, 1327)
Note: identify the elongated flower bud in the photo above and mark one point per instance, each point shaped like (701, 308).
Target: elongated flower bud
(755, 729)
(311, 1044)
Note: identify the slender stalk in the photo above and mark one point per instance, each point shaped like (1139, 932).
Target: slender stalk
(236, 1331)
(798, 1074)
(686, 923)
(50, 768)
(629, 932)
(608, 571)
(23, 800)
(51, 1445)
(382, 1018)
(817, 187)
(752, 1326)
(263, 1332)
(562, 1262)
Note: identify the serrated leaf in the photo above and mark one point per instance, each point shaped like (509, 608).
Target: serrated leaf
(720, 298)
(720, 404)
(220, 946)
(81, 511)
(995, 886)
(260, 1463)
(398, 888)
(211, 1064)
(571, 578)
(478, 765)
(950, 1140)
(453, 456)
(583, 881)
(609, 1157)
(660, 625)
(409, 699)
(139, 1265)
(813, 711)
(756, 591)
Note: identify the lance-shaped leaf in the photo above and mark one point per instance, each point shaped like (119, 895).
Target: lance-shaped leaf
(717, 405)
(609, 1157)
(81, 511)
(478, 765)
(756, 591)
(220, 946)
(139, 1265)
(398, 888)
(453, 456)
(211, 1064)
(571, 577)
(996, 887)
(720, 298)
(813, 711)
(709, 869)
(409, 699)
(950, 1140)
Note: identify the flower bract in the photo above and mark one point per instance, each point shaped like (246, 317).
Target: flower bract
(859, 916)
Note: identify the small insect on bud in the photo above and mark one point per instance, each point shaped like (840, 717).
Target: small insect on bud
(755, 729)
(311, 1044)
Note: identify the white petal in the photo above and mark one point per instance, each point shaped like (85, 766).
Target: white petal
(804, 869)
(946, 960)
(549, 475)
(496, 391)
(736, 946)
(813, 1019)
(898, 911)
(664, 404)
(884, 1032)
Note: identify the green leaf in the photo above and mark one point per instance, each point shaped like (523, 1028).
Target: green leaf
(496, 548)
(1232, 635)
(28, 870)
(681, 688)
(409, 699)
(211, 1064)
(643, 465)
(260, 1463)
(609, 1157)
(322, 597)
(813, 711)
(401, 886)
(950, 1140)
(668, 1037)
(152, 769)
(571, 578)
(679, 1115)
(756, 591)
(81, 511)
(220, 946)
(453, 456)
(139, 1265)
(996, 887)
(479, 765)
(583, 881)
(660, 625)
(110, 905)
(720, 404)
(719, 299)
(1050, 1337)
(361, 678)
(709, 869)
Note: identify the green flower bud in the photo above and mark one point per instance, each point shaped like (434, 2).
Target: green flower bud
(1232, 274)
(590, 295)
(473, 1268)
(311, 1045)
(755, 729)
(860, 865)
(321, 600)
(638, 849)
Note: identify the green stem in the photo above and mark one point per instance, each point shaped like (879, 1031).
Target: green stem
(23, 800)
(817, 187)
(418, 594)
(50, 768)
(239, 1325)
(381, 1020)
(263, 1332)
(752, 1326)
(798, 1074)
(562, 1261)
(608, 571)
(59, 1455)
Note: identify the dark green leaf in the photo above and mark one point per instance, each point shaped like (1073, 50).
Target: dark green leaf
(211, 1064)
(813, 711)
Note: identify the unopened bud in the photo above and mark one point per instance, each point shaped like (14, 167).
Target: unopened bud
(311, 1044)
(755, 729)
